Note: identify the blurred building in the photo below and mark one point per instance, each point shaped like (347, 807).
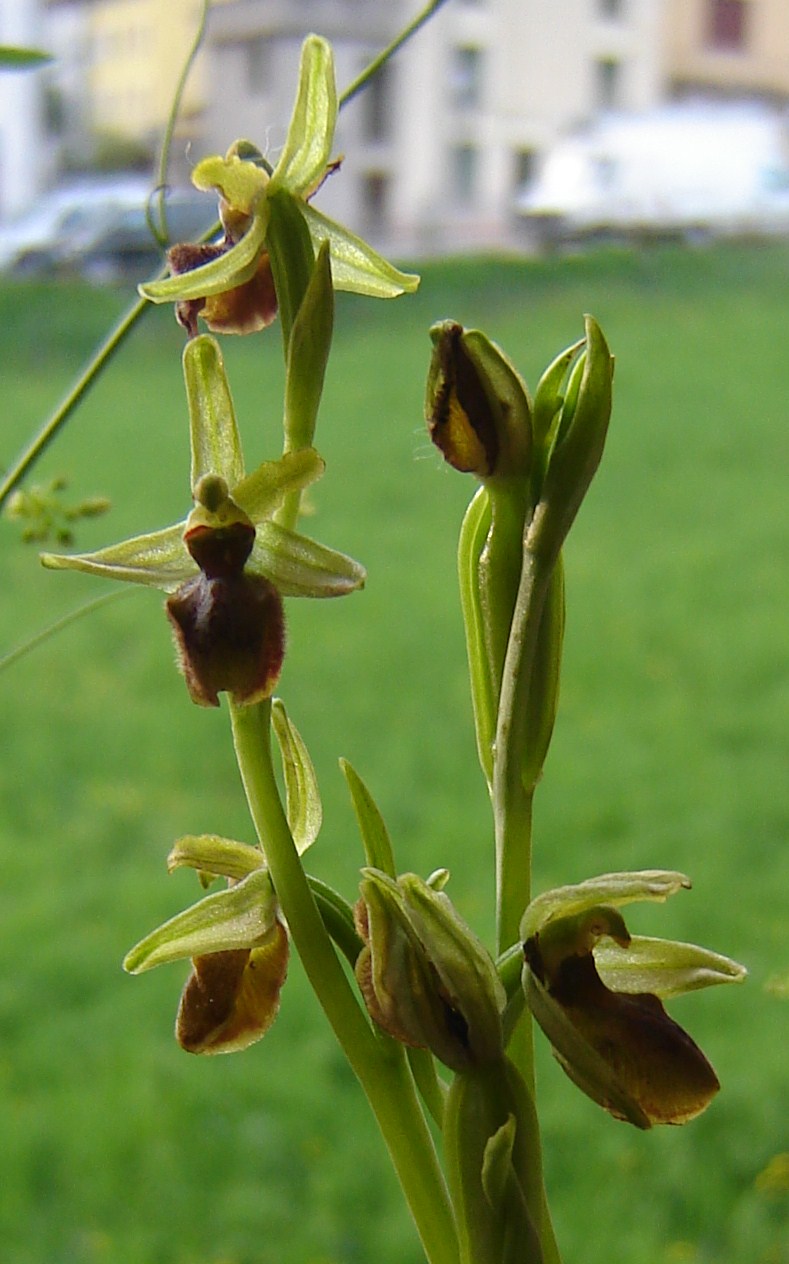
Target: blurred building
(118, 64)
(442, 141)
(730, 48)
(25, 158)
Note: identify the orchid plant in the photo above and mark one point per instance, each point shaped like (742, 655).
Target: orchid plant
(435, 1024)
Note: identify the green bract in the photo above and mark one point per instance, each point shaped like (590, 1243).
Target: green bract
(248, 191)
(594, 989)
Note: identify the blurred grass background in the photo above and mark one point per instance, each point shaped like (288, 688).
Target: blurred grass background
(670, 751)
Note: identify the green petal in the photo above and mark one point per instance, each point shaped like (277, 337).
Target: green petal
(241, 183)
(234, 267)
(609, 888)
(662, 966)
(263, 491)
(159, 560)
(300, 567)
(241, 916)
(307, 150)
(303, 800)
(216, 446)
(209, 853)
(355, 265)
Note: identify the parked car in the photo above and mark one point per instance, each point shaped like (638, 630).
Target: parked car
(126, 248)
(689, 170)
(100, 231)
(68, 213)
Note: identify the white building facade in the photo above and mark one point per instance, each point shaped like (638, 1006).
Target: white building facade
(439, 146)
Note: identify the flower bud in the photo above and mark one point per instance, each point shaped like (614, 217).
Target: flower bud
(425, 977)
(477, 407)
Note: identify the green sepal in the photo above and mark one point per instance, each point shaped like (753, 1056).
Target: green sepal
(372, 827)
(243, 916)
(158, 560)
(300, 567)
(210, 853)
(215, 441)
(229, 270)
(577, 448)
(308, 354)
(663, 967)
(614, 889)
(307, 147)
(509, 398)
(463, 965)
(548, 400)
(302, 797)
(397, 978)
(356, 267)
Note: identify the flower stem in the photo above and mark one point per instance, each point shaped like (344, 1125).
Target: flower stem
(375, 65)
(379, 1063)
(512, 810)
(38, 445)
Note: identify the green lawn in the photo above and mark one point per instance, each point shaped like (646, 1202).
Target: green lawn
(671, 751)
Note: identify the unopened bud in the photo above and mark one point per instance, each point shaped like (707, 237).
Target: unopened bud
(477, 407)
(425, 977)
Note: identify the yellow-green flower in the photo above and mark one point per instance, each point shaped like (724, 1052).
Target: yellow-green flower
(230, 562)
(234, 285)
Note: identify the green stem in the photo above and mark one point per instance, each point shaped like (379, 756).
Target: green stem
(511, 799)
(512, 809)
(39, 638)
(46, 434)
(160, 230)
(379, 1064)
(375, 65)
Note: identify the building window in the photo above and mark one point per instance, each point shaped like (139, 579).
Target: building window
(609, 76)
(377, 98)
(726, 25)
(464, 174)
(613, 10)
(256, 55)
(375, 195)
(466, 78)
(524, 163)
